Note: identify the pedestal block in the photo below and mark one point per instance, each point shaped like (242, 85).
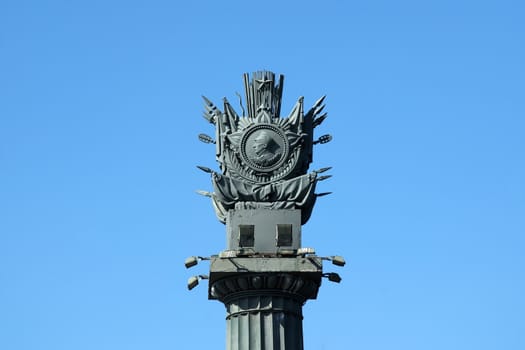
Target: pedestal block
(263, 230)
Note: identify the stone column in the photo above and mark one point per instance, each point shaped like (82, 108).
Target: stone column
(264, 307)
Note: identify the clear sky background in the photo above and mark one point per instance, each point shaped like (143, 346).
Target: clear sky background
(100, 109)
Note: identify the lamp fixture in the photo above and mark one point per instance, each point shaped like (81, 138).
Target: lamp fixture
(194, 260)
(337, 260)
(193, 281)
(332, 277)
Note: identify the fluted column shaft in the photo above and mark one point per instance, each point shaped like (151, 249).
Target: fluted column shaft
(264, 322)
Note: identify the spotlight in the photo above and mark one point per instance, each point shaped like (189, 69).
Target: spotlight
(193, 281)
(193, 260)
(338, 260)
(333, 277)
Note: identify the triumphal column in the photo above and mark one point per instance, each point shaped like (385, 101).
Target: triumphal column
(264, 192)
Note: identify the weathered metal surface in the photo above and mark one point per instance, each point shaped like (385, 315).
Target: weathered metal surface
(263, 297)
(263, 157)
(264, 193)
(300, 276)
(265, 223)
(266, 264)
(264, 322)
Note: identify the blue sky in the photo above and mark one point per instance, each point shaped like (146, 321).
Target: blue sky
(99, 111)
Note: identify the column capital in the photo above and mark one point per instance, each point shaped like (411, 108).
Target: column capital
(292, 277)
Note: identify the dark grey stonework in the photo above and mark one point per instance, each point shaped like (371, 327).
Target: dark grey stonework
(264, 322)
(270, 229)
(264, 194)
(264, 299)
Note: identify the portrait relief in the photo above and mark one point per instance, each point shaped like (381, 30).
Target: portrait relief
(264, 147)
(265, 150)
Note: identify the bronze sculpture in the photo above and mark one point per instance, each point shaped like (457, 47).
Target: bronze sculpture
(264, 158)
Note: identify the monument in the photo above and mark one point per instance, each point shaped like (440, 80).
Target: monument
(264, 193)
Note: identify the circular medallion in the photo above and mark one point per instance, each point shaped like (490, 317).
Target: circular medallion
(264, 147)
